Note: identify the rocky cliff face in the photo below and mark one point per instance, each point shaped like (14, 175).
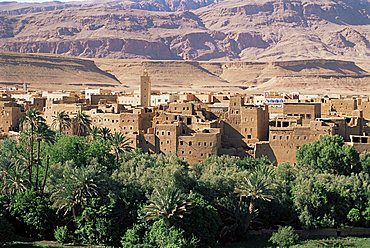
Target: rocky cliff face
(190, 29)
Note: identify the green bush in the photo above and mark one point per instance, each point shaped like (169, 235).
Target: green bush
(284, 237)
(366, 216)
(61, 234)
(354, 216)
(33, 213)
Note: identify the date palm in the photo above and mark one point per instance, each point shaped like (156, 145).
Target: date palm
(12, 179)
(61, 121)
(105, 133)
(94, 133)
(255, 187)
(42, 134)
(30, 120)
(119, 144)
(81, 124)
(167, 203)
(72, 186)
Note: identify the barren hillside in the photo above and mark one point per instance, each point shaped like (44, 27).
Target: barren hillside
(308, 76)
(52, 72)
(55, 72)
(247, 30)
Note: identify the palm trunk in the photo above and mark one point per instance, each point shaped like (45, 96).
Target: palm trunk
(117, 158)
(249, 216)
(45, 175)
(38, 165)
(31, 157)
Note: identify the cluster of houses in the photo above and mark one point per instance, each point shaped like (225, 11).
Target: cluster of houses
(196, 125)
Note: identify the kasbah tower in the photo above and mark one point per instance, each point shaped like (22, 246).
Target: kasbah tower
(145, 89)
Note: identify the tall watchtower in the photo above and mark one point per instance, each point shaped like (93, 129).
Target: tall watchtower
(145, 89)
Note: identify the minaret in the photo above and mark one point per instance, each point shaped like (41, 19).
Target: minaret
(145, 89)
(25, 87)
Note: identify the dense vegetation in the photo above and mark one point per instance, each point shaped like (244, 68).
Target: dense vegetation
(90, 188)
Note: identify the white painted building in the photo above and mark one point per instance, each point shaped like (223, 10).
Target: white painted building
(133, 100)
(55, 96)
(156, 100)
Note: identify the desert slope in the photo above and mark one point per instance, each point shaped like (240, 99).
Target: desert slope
(307, 76)
(52, 72)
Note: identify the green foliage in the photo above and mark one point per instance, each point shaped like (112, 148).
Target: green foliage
(13, 168)
(159, 235)
(249, 163)
(67, 148)
(217, 179)
(204, 222)
(71, 186)
(99, 149)
(134, 236)
(324, 200)
(365, 162)
(167, 203)
(147, 172)
(333, 243)
(6, 228)
(284, 237)
(61, 234)
(354, 216)
(366, 216)
(33, 213)
(329, 154)
(101, 190)
(95, 225)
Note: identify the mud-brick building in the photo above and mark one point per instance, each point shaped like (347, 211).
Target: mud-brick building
(242, 125)
(287, 135)
(182, 129)
(306, 110)
(10, 116)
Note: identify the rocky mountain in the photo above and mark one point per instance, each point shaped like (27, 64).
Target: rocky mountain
(260, 30)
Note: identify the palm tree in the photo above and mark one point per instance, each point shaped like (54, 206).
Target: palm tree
(61, 121)
(105, 133)
(167, 203)
(94, 133)
(81, 124)
(72, 186)
(31, 118)
(119, 144)
(12, 179)
(45, 134)
(257, 186)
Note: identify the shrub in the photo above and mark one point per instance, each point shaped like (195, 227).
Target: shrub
(354, 216)
(33, 213)
(284, 237)
(366, 216)
(61, 234)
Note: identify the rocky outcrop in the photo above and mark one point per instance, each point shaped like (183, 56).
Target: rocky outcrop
(98, 48)
(213, 30)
